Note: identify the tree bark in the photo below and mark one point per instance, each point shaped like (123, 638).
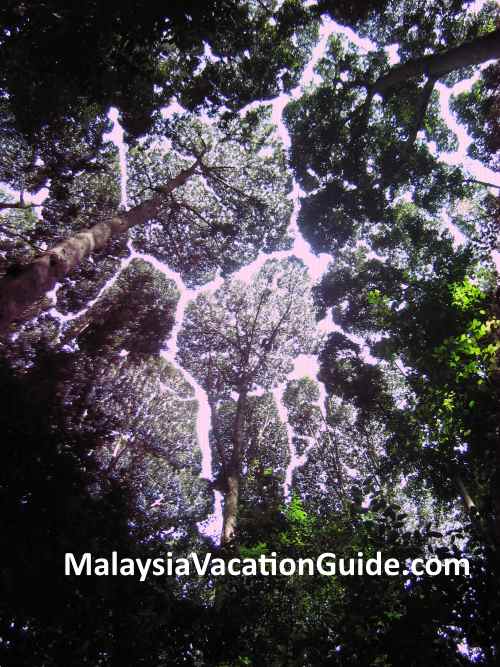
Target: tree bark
(25, 287)
(437, 65)
(232, 492)
(230, 513)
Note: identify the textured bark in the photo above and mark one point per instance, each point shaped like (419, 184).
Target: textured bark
(22, 289)
(230, 514)
(232, 492)
(438, 65)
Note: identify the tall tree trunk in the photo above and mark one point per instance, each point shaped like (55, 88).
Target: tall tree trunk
(19, 291)
(232, 492)
(437, 65)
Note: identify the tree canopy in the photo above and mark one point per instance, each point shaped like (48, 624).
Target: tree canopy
(182, 379)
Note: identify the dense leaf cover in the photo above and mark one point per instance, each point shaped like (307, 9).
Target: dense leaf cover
(153, 399)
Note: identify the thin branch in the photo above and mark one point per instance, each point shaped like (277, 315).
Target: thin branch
(13, 234)
(194, 211)
(423, 103)
(215, 430)
(271, 338)
(18, 205)
(208, 171)
(264, 295)
(192, 150)
(267, 10)
(488, 185)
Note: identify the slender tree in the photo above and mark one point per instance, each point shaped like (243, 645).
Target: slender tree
(241, 338)
(385, 116)
(234, 189)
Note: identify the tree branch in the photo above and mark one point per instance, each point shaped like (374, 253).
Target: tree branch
(438, 65)
(17, 205)
(423, 103)
(488, 185)
(20, 291)
(13, 234)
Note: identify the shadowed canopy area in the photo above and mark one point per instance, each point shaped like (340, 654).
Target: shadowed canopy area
(176, 389)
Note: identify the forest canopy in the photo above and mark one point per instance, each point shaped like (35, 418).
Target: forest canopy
(249, 307)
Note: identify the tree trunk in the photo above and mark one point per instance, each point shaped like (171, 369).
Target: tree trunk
(437, 65)
(20, 290)
(231, 495)
(470, 505)
(230, 513)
